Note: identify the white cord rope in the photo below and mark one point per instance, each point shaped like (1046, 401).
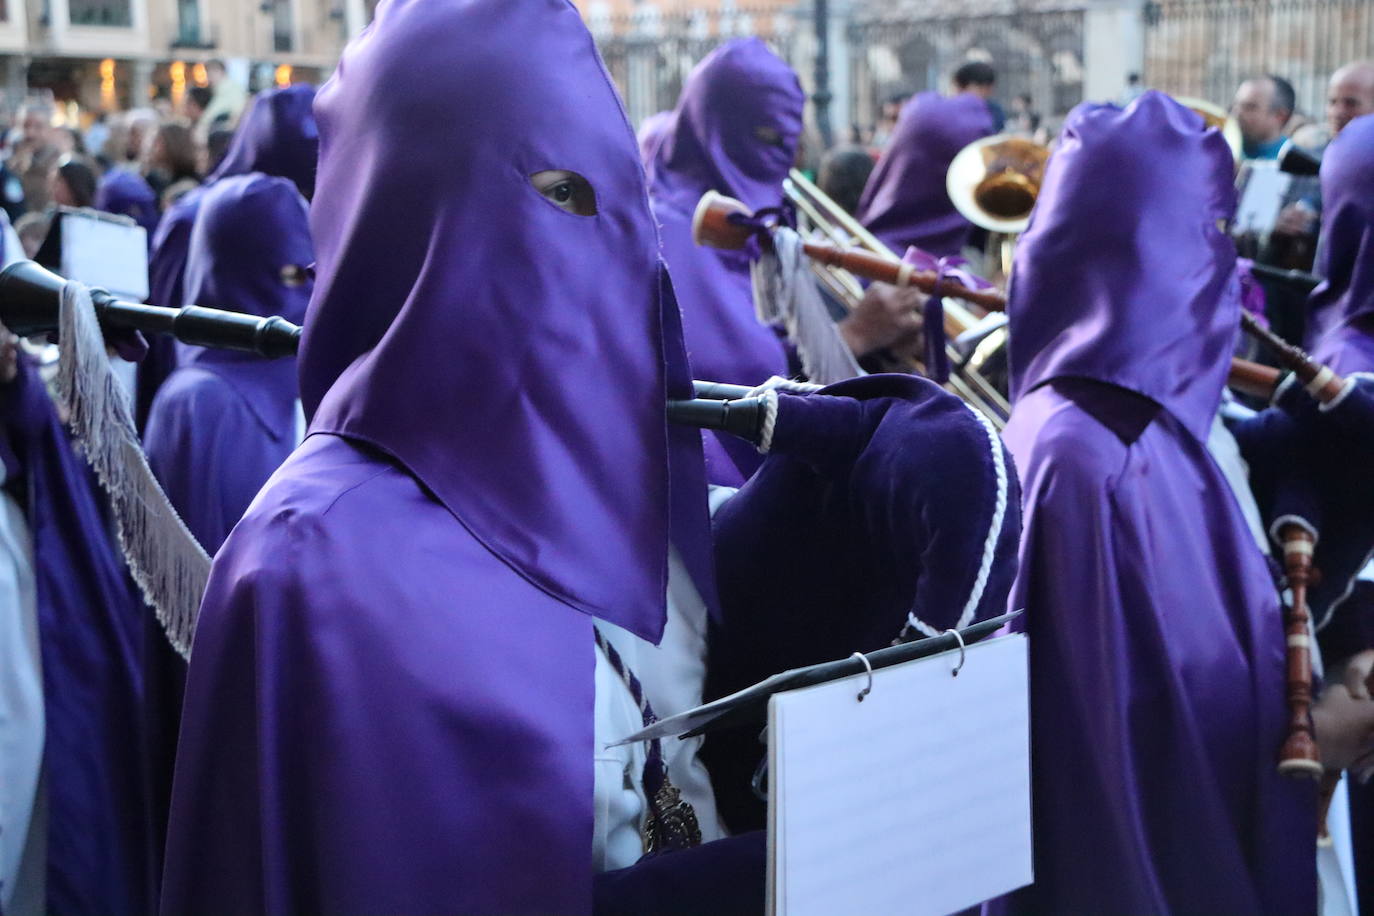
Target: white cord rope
(999, 515)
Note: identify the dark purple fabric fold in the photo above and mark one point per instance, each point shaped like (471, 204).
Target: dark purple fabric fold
(90, 635)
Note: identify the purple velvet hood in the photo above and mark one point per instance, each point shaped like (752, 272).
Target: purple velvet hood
(1340, 311)
(1156, 314)
(522, 382)
(905, 202)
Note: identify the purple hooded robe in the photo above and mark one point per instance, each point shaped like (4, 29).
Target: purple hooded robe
(224, 421)
(389, 706)
(90, 629)
(1157, 659)
(735, 131)
(905, 202)
(275, 136)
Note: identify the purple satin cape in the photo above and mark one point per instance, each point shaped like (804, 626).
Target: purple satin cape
(1340, 321)
(128, 193)
(905, 202)
(1157, 660)
(277, 135)
(390, 700)
(90, 632)
(878, 499)
(735, 131)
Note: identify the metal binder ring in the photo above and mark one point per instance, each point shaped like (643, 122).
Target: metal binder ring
(959, 667)
(869, 668)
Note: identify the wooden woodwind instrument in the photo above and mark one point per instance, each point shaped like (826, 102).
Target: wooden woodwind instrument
(1254, 379)
(1299, 756)
(1320, 381)
(712, 226)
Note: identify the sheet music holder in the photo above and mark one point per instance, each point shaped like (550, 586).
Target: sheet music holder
(914, 799)
(751, 702)
(98, 249)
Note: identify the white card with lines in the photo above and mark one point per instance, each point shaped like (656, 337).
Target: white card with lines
(915, 801)
(108, 254)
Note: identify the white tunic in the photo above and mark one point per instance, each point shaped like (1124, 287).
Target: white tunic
(23, 853)
(672, 675)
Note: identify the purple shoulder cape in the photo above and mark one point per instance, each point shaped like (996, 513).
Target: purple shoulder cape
(905, 202)
(90, 633)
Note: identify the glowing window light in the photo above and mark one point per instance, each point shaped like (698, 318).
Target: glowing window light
(107, 83)
(283, 75)
(176, 70)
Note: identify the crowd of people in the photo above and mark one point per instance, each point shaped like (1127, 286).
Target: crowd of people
(468, 536)
(134, 163)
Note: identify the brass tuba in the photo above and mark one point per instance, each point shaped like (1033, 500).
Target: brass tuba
(994, 182)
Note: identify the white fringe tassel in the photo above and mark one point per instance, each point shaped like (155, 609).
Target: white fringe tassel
(165, 559)
(785, 290)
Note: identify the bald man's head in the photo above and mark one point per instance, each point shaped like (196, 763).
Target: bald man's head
(1350, 95)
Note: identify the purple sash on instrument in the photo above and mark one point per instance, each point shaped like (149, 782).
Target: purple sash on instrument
(951, 267)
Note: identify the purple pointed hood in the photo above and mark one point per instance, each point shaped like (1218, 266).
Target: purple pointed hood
(127, 193)
(735, 129)
(513, 356)
(251, 234)
(248, 251)
(1347, 258)
(905, 202)
(277, 135)
(1123, 275)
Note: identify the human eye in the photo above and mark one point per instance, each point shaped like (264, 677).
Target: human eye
(566, 190)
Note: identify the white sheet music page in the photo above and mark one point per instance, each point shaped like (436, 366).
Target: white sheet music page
(915, 801)
(107, 254)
